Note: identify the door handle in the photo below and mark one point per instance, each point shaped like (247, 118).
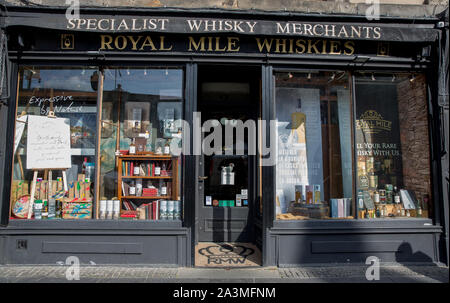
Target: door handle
(201, 178)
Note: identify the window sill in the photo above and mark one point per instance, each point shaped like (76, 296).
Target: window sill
(92, 224)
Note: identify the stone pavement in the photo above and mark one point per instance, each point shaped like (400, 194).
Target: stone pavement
(311, 274)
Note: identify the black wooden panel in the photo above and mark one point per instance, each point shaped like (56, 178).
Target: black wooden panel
(162, 250)
(354, 246)
(92, 247)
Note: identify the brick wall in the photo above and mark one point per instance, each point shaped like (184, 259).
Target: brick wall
(414, 135)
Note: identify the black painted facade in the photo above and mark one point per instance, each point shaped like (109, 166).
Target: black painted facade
(283, 244)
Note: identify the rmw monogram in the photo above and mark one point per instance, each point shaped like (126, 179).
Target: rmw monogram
(226, 254)
(225, 260)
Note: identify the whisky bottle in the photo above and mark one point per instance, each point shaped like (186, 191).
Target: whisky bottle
(396, 195)
(157, 169)
(132, 189)
(363, 180)
(167, 147)
(132, 149)
(419, 209)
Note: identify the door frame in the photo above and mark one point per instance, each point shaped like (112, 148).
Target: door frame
(191, 172)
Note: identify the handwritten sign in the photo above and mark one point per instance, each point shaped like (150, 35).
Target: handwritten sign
(48, 143)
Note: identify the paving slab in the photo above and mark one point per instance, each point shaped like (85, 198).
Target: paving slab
(142, 274)
(235, 273)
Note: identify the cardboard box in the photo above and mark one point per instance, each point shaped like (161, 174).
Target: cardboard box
(87, 190)
(77, 216)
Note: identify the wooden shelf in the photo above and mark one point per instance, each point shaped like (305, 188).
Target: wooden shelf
(146, 157)
(173, 178)
(144, 197)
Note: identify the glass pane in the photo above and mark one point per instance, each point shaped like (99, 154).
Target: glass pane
(392, 141)
(143, 105)
(71, 93)
(314, 156)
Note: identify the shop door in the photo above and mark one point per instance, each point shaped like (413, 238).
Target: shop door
(226, 183)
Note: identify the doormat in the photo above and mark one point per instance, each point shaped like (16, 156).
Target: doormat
(209, 254)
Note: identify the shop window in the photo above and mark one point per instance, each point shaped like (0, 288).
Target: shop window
(314, 146)
(392, 143)
(139, 174)
(50, 146)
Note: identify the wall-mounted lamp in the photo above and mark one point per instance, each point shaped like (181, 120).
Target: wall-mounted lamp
(373, 77)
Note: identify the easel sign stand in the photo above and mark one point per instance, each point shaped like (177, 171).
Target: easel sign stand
(39, 142)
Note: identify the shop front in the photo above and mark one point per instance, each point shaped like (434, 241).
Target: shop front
(168, 139)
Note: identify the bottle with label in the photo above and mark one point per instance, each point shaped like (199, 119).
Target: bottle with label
(138, 187)
(360, 200)
(376, 197)
(419, 209)
(132, 149)
(157, 169)
(373, 180)
(132, 189)
(136, 169)
(167, 147)
(163, 188)
(363, 180)
(378, 212)
(383, 211)
(382, 196)
(396, 195)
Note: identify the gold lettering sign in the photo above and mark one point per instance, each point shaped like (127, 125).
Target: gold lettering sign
(213, 44)
(372, 122)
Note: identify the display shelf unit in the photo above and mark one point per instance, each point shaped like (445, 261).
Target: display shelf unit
(173, 178)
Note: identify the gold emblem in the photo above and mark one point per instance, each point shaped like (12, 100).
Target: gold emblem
(383, 49)
(67, 41)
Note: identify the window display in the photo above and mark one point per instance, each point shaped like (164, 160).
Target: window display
(392, 143)
(54, 143)
(139, 177)
(314, 157)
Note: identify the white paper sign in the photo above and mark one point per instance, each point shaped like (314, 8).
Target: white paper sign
(48, 143)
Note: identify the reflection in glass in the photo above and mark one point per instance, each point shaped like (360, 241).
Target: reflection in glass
(142, 105)
(393, 170)
(70, 93)
(314, 166)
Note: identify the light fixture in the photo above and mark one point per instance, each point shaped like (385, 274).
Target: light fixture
(412, 78)
(167, 72)
(373, 77)
(83, 71)
(393, 78)
(333, 76)
(145, 72)
(128, 71)
(309, 76)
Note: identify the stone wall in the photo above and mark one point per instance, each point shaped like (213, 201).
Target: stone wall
(414, 135)
(400, 8)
